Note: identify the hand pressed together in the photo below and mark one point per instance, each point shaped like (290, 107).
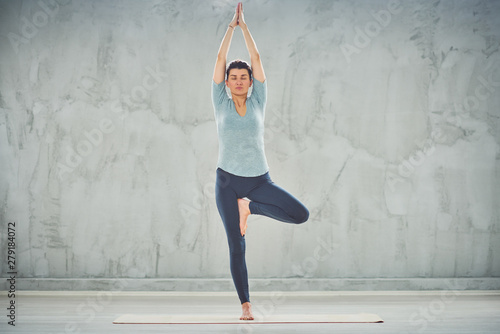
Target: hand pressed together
(238, 19)
(241, 19)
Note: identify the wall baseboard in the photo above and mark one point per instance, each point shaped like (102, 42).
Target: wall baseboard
(256, 284)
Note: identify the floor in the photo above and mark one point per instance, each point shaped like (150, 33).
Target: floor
(403, 312)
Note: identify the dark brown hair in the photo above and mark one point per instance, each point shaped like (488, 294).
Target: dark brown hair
(239, 64)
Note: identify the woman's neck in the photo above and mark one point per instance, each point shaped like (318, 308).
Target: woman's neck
(239, 101)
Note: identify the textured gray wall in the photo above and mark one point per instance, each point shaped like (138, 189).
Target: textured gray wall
(383, 118)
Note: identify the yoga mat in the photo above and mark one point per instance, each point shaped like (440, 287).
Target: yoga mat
(223, 319)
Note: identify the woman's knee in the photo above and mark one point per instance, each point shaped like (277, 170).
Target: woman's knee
(303, 216)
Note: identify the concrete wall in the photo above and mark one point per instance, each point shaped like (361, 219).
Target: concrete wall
(383, 118)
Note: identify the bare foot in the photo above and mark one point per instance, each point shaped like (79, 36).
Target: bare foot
(244, 209)
(247, 311)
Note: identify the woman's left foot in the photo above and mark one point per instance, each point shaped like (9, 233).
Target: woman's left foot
(246, 309)
(244, 209)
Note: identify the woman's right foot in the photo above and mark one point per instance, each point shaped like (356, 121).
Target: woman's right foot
(246, 311)
(244, 210)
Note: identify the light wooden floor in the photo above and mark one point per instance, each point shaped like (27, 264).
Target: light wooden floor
(403, 312)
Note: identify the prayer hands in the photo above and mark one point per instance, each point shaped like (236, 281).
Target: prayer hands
(238, 18)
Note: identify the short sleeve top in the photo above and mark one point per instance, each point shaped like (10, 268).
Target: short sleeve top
(241, 138)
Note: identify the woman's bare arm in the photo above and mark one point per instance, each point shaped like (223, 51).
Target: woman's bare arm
(220, 64)
(257, 68)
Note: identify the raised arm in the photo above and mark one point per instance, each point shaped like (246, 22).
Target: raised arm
(220, 64)
(257, 68)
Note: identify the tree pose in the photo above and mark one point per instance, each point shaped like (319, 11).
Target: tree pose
(243, 184)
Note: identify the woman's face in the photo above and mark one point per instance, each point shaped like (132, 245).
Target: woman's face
(238, 81)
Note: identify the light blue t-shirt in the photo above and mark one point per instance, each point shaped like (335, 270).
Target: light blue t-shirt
(241, 139)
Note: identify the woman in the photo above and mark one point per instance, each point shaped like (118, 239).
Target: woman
(242, 170)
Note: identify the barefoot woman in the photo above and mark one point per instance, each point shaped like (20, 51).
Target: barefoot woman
(242, 166)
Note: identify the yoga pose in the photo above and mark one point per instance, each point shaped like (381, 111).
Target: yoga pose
(242, 170)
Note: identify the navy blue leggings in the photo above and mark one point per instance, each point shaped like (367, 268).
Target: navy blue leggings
(267, 199)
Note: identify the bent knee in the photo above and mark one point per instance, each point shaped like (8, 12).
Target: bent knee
(303, 217)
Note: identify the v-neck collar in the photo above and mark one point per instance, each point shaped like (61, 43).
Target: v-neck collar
(236, 110)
